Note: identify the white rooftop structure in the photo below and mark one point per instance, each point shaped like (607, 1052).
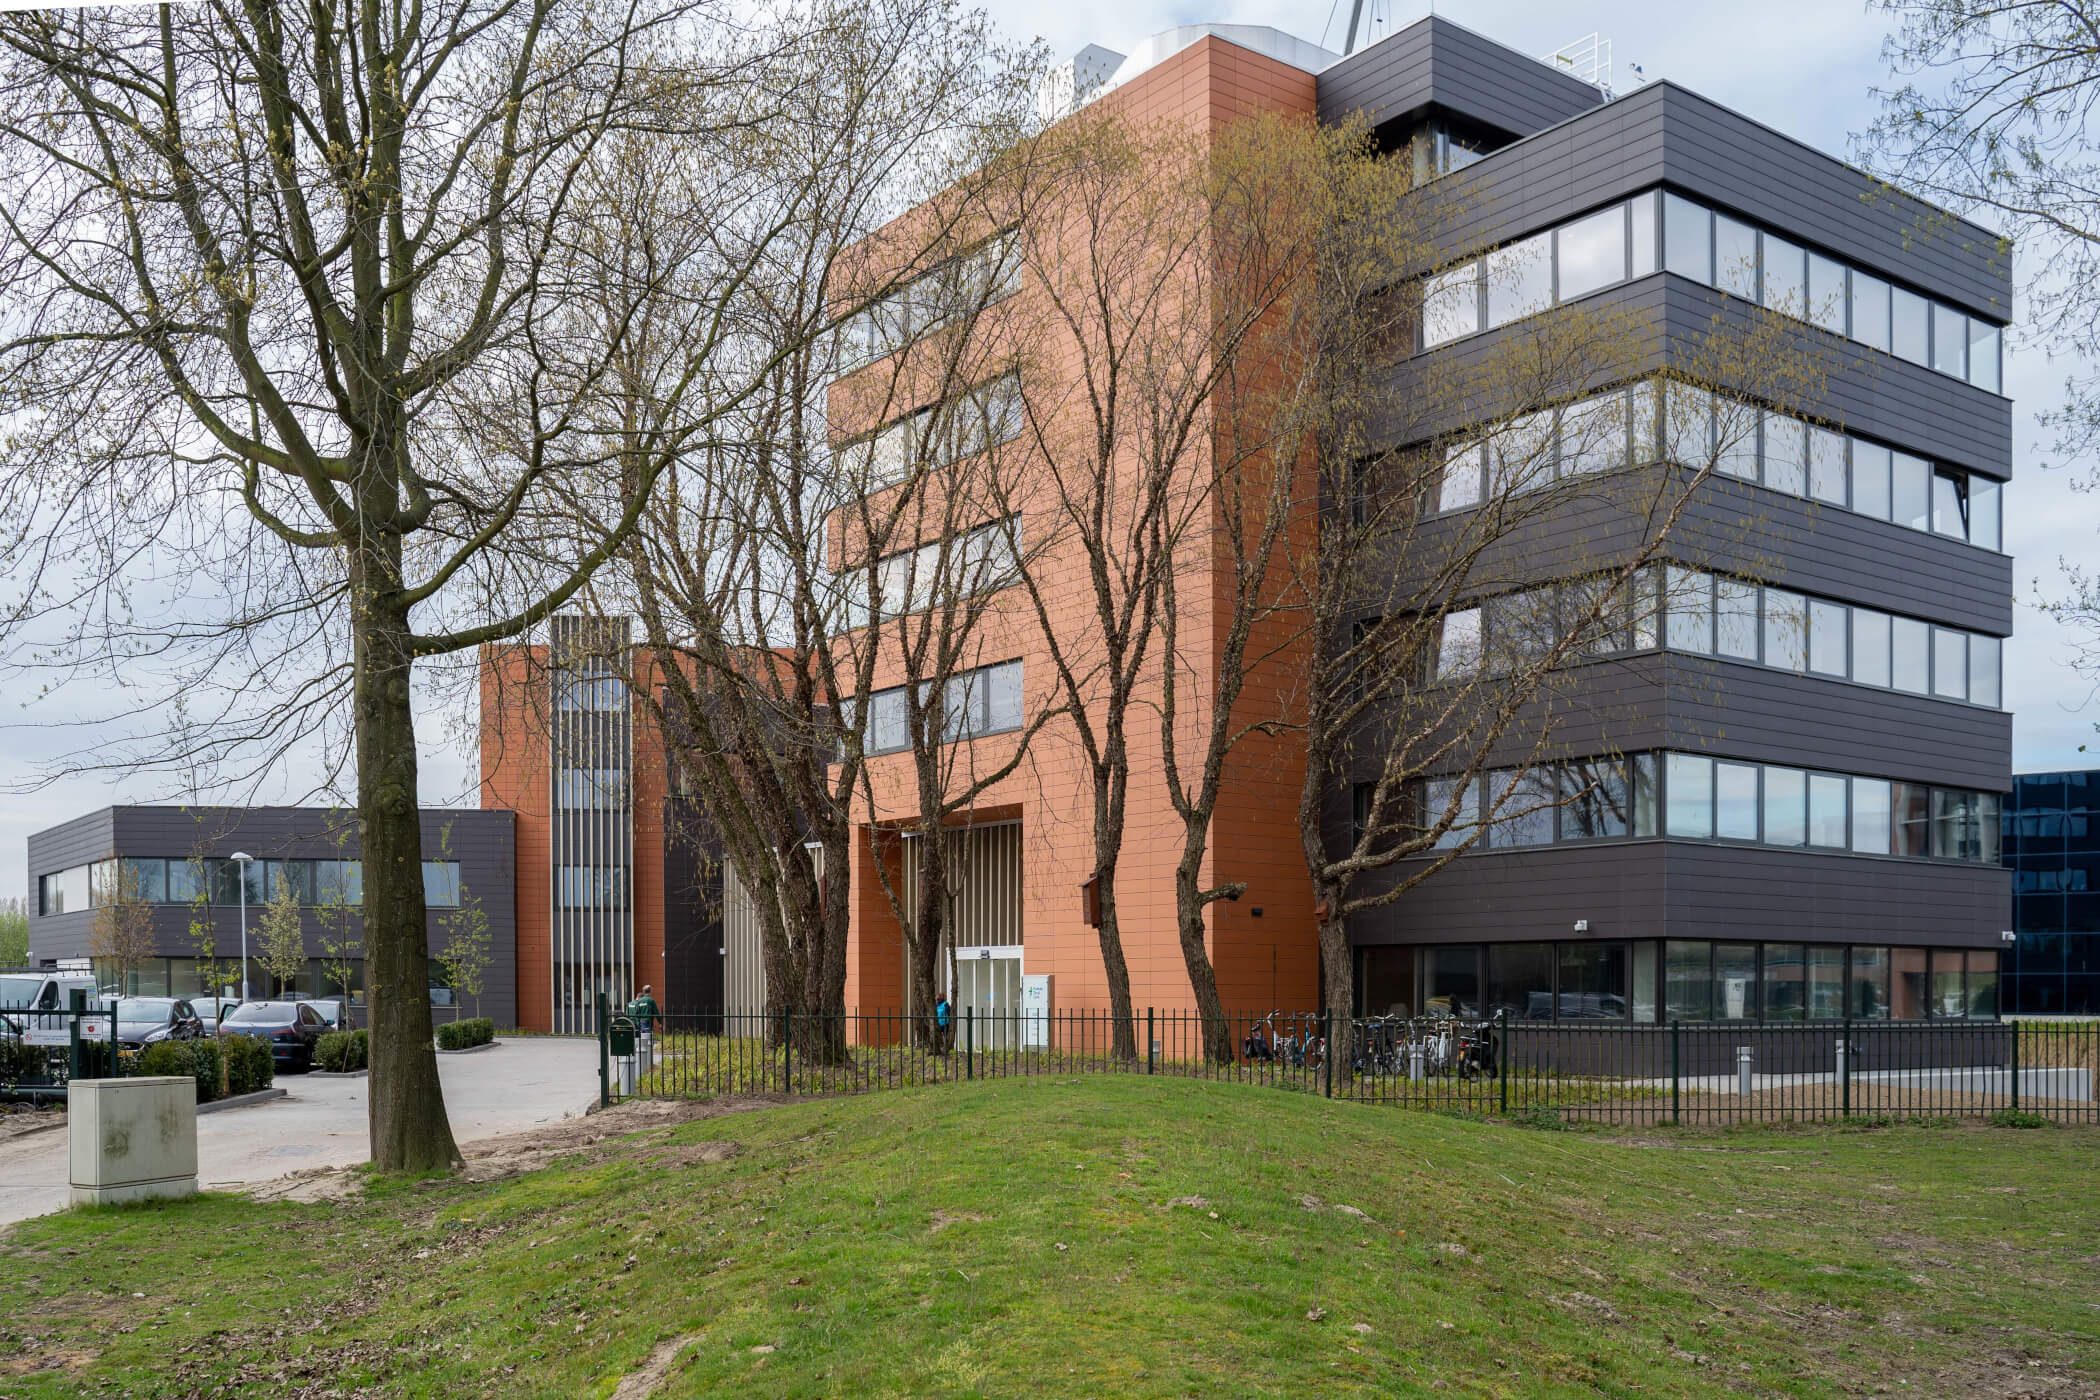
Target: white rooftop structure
(1095, 70)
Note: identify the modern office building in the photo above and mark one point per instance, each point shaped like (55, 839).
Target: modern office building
(2052, 847)
(176, 864)
(1807, 751)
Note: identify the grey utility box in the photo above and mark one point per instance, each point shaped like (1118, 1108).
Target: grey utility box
(132, 1139)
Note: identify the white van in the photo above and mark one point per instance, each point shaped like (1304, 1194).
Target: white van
(23, 995)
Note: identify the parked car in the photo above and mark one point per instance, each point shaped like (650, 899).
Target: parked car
(291, 1027)
(213, 1009)
(332, 1010)
(143, 1020)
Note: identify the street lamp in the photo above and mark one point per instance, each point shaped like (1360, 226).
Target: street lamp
(243, 859)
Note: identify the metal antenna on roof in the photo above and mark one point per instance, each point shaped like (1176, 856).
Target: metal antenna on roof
(1356, 14)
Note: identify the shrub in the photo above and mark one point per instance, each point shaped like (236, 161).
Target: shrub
(2017, 1118)
(248, 1066)
(343, 1050)
(1541, 1117)
(465, 1035)
(19, 1061)
(199, 1059)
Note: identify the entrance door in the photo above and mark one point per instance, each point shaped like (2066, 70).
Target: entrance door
(988, 987)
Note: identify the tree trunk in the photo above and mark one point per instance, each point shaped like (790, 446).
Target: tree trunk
(1203, 977)
(926, 943)
(1122, 1015)
(1337, 978)
(409, 1129)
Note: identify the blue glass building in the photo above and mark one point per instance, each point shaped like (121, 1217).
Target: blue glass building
(2052, 844)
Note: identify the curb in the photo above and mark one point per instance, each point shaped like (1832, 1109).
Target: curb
(335, 1074)
(242, 1100)
(33, 1131)
(472, 1049)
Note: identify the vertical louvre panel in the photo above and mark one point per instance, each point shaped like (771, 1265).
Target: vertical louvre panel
(743, 946)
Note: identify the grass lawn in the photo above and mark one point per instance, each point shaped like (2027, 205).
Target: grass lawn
(1106, 1237)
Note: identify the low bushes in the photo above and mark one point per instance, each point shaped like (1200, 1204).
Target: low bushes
(344, 1050)
(202, 1060)
(465, 1035)
(248, 1066)
(19, 1062)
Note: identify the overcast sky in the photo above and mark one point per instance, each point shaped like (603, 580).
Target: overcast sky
(1806, 67)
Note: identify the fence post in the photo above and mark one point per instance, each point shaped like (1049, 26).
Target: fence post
(2016, 1066)
(77, 1003)
(1676, 1070)
(1151, 1045)
(787, 1051)
(604, 1058)
(1327, 1041)
(970, 1042)
(1502, 1058)
(1845, 1071)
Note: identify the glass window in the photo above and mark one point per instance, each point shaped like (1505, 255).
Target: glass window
(1451, 305)
(1908, 326)
(1826, 465)
(1786, 807)
(1519, 280)
(1826, 811)
(1735, 981)
(1454, 981)
(1592, 983)
(1644, 1000)
(1786, 277)
(1983, 670)
(1983, 985)
(1786, 453)
(298, 874)
(1983, 512)
(1459, 487)
(1950, 341)
(1983, 355)
(1786, 630)
(1870, 816)
(1870, 647)
(1002, 695)
(1735, 801)
(1735, 618)
(1644, 606)
(1909, 995)
(1911, 643)
(1826, 983)
(1606, 635)
(1593, 252)
(441, 884)
(1520, 980)
(1458, 647)
(1826, 637)
(1735, 439)
(1688, 231)
(146, 879)
(1689, 780)
(1910, 491)
(1950, 663)
(189, 882)
(1735, 257)
(1688, 426)
(1870, 310)
(339, 882)
(1948, 997)
(1990, 829)
(1688, 981)
(1870, 479)
(1593, 435)
(1689, 608)
(1826, 292)
(1644, 230)
(1522, 806)
(1598, 799)
(1910, 818)
(1520, 454)
(1643, 765)
(1949, 508)
(1465, 817)
(1786, 982)
(1867, 995)
(1953, 824)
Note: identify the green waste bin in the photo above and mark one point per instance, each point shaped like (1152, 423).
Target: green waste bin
(619, 1038)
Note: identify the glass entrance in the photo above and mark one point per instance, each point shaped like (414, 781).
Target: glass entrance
(988, 986)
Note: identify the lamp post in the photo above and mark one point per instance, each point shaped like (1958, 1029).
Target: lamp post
(243, 859)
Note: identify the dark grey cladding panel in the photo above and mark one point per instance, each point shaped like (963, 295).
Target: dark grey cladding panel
(1660, 321)
(72, 843)
(1658, 889)
(1437, 63)
(1734, 710)
(1665, 134)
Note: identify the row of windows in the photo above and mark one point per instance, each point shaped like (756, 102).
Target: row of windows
(590, 789)
(592, 689)
(1646, 234)
(978, 560)
(933, 437)
(180, 880)
(590, 887)
(1679, 980)
(960, 287)
(1786, 454)
(1690, 610)
(186, 978)
(975, 703)
(1693, 796)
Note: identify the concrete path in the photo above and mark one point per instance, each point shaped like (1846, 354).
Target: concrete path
(321, 1122)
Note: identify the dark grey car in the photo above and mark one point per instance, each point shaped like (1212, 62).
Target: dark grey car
(290, 1027)
(143, 1020)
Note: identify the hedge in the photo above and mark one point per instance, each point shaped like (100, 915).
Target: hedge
(465, 1035)
(19, 1061)
(343, 1050)
(201, 1059)
(248, 1066)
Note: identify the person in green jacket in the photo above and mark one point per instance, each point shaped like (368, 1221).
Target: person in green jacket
(643, 1011)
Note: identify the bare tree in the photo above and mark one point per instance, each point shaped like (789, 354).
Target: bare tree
(120, 936)
(294, 353)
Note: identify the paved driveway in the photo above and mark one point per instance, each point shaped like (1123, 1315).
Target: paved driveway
(321, 1122)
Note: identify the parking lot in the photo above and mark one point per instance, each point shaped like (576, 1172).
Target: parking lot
(518, 1084)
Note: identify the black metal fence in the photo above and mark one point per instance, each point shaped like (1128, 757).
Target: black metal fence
(44, 1048)
(1619, 1073)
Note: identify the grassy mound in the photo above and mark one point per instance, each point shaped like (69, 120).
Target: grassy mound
(1103, 1237)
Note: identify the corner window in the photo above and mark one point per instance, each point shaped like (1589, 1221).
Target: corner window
(1688, 233)
(1593, 253)
(1688, 795)
(1519, 280)
(1735, 257)
(1950, 341)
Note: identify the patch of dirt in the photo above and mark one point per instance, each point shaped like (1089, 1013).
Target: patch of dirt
(640, 1385)
(56, 1359)
(1192, 1202)
(942, 1219)
(21, 1122)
